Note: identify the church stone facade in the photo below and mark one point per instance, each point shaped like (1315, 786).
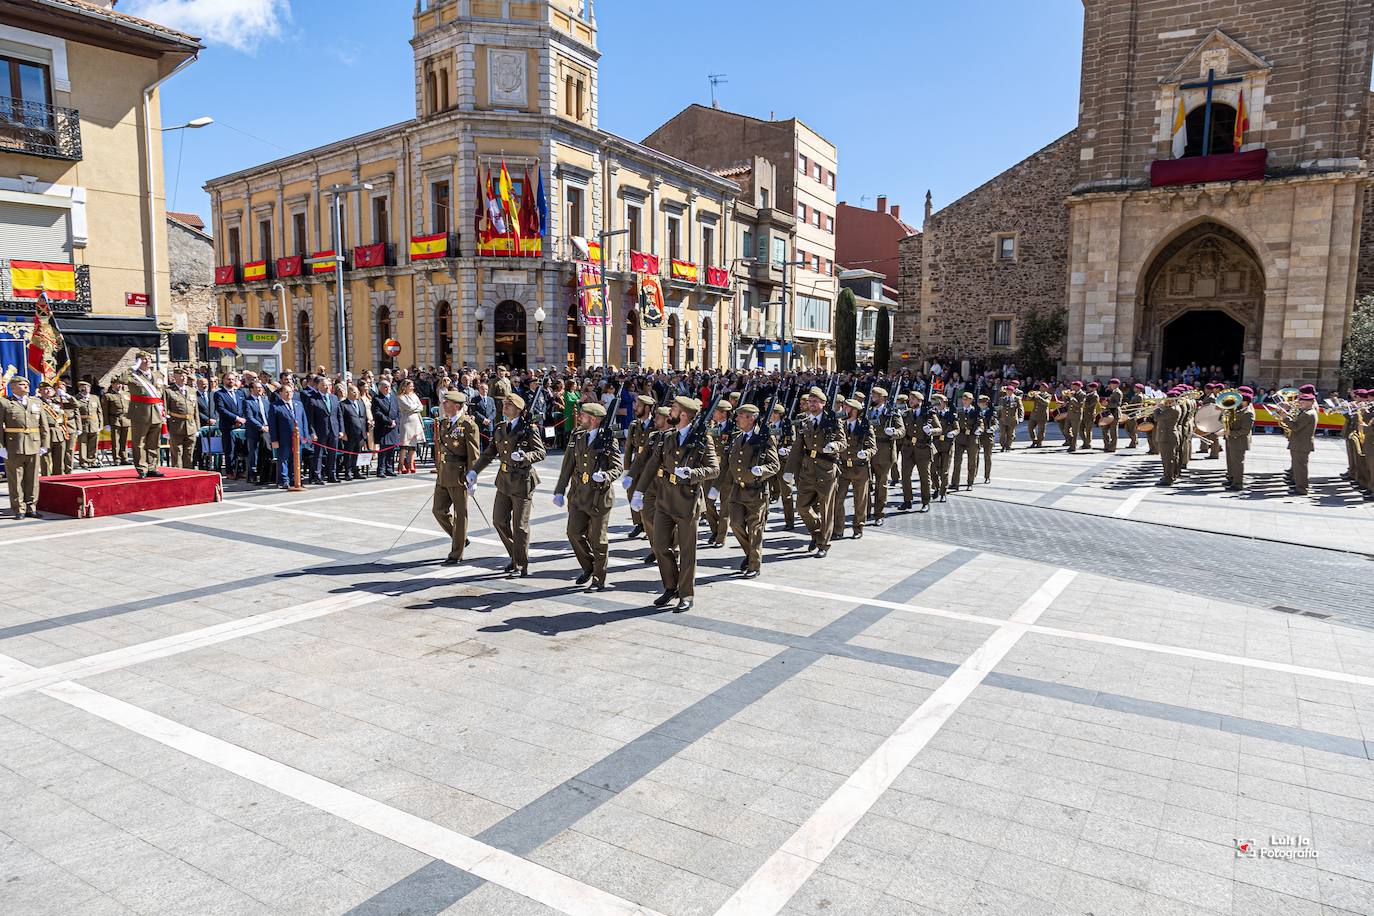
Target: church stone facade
(1164, 261)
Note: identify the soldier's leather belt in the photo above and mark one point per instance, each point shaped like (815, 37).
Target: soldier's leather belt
(21, 430)
(179, 416)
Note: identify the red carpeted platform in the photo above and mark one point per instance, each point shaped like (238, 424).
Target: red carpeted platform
(119, 491)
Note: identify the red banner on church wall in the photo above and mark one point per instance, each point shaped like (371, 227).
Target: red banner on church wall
(1247, 166)
(642, 263)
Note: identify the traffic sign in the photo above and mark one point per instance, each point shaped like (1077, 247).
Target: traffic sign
(392, 347)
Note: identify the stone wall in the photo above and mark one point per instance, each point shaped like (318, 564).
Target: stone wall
(1364, 274)
(191, 263)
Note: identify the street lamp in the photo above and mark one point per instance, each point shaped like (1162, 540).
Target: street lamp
(539, 316)
(336, 190)
(193, 124)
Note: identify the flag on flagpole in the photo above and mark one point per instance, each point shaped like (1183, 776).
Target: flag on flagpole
(508, 203)
(478, 215)
(496, 221)
(1242, 124)
(1180, 130)
(542, 201)
(531, 235)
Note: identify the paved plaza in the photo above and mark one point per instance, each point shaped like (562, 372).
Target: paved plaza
(1068, 692)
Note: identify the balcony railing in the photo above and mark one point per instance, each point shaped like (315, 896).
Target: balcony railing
(39, 129)
(81, 305)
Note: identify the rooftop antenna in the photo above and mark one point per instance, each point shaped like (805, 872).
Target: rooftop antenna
(862, 198)
(716, 79)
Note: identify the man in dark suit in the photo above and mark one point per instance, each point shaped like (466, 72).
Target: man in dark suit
(256, 413)
(354, 439)
(287, 417)
(326, 421)
(386, 429)
(228, 403)
(483, 408)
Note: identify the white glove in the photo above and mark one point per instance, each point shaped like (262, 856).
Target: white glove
(517, 455)
(789, 477)
(784, 451)
(831, 448)
(558, 500)
(472, 480)
(861, 454)
(928, 430)
(627, 481)
(682, 473)
(637, 502)
(472, 489)
(600, 476)
(756, 471)
(42, 452)
(890, 431)
(713, 493)
(3, 453)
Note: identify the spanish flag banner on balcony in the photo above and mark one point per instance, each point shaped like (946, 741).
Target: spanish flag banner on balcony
(325, 266)
(594, 251)
(31, 279)
(425, 247)
(254, 270)
(221, 338)
(684, 271)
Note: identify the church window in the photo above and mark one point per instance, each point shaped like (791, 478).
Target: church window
(1223, 130)
(1006, 247)
(999, 333)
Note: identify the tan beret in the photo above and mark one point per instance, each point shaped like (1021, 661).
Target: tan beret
(855, 403)
(592, 409)
(455, 396)
(749, 409)
(646, 400)
(724, 406)
(816, 393)
(878, 389)
(664, 411)
(515, 399)
(687, 403)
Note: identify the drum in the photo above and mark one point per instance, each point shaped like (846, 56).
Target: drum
(1060, 416)
(1145, 426)
(1208, 420)
(1106, 420)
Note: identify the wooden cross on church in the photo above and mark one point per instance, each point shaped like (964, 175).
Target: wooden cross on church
(1210, 84)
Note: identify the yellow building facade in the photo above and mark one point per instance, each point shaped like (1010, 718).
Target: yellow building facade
(495, 82)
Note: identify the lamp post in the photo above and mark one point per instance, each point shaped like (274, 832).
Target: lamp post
(735, 318)
(335, 191)
(785, 359)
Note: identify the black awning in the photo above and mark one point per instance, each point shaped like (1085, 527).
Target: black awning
(109, 332)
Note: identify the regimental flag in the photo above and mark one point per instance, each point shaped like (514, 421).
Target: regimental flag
(642, 263)
(425, 247)
(373, 255)
(226, 274)
(1242, 124)
(496, 219)
(531, 231)
(1180, 129)
(31, 279)
(718, 277)
(589, 294)
(651, 300)
(508, 205)
(254, 270)
(289, 267)
(221, 338)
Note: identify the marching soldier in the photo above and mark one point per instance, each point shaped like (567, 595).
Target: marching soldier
(1112, 407)
(1302, 431)
(457, 448)
(518, 445)
(23, 422)
(988, 416)
(888, 431)
(145, 415)
(1010, 411)
(1363, 421)
(1168, 426)
(854, 470)
(1087, 421)
(751, 461)
(944, 444)
(115, 405)
(1040, 414)
(1239, 426)
(717, 513)
(635, 439)
(92, 420)
(918, 449)
(1136, 396)
(778, 487)
(592, 461)
(812, 466)
(183, 420)
(1349, 428)
(1184, 442)
(634, 473)
(1074, 409)
(682, 460)
(967, 429)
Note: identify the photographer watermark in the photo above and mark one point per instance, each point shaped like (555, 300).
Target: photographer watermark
(1279, 846)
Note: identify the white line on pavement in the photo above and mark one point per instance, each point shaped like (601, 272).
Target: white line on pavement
(390, 526)
(770, 888)
(1182, 651)
(1129, 503)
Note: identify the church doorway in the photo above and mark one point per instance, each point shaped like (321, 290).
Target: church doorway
(1207, 338)
(510, 335)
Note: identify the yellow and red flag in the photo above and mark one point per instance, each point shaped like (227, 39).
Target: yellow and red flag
(31, 279)
(221, 338)
(1242, 124)
(424, 247)
(255, 270)
(508, 204)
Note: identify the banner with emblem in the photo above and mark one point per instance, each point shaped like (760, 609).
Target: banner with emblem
(589, 294)
(15, 331)
(650, 300)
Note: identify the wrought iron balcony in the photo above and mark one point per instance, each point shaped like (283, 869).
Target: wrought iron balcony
(12, 304)
(38, 129)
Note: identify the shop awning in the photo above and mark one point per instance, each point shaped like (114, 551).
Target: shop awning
(109, 332)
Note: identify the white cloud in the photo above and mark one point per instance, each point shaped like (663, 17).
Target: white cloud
(239, 24)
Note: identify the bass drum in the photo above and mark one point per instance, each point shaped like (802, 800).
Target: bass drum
(1208, 420)
(1145, 426)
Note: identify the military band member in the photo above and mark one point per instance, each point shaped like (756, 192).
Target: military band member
(1133, 400)
(1168, 428)
(750, 462)
(183, 420)
(778, 487)
(22, 437)
(1302, 431)
(1074, 419)
(812, 467)
(1040, 414)
(1087, 421)
(1367, 439)
(145, 415)
(918, 449)
(717, 512)
(944, 445)
(1348, 430)
(888, 431)
(854, 470)
(1238, 426)
(457, 448)
(968, 427)
(634, 473)
(92, 419)
(1010, 411)
(988, 416)
(679, 465)
(635, 438)
(591, 464)
(517, 445)
(1210, 443)
(1184, 443)
(1111, 406)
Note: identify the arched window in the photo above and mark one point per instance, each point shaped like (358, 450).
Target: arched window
(431, 93)
(238, 319)
(511, 335)
(269, 320)
(443, 331)
(1223, 130)
(383, 334)
(672, 342)
(304, 350)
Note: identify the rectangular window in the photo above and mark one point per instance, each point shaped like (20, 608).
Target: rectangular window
(708, 247)
(674, 237)
(816, 263)
(830, 224)
(817, 171)
(747, 249)
(1001, 332)
(816, 218)
(439, 206)
(25, 81)
(830, 180)
(813, 314)
(763, 198)
(745, 300)
(779, 251)
(381, 223)
(801, 163)
(632, 215)
(299, 231)
(1006, 248)
(265, 239)
(572, 200)
(801, 212)
(232, 246)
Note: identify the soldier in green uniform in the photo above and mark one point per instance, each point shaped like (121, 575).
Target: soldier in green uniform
(717, 513)
(1168, 425)
(115, 405)
(635, 472)
(71, 420)
(92, 420)
(752, 459)
(1184, 443)
(1111, 407)
(1074, 408)
(635, 438)
(500, 389)
(183, 420)
(517, 444)
(22, 422)
(854, 470)
(888, 430)
(680, 463)
(591, 464)
(968, 427)
(457, 448)
(944, 446)
(1302, 431)
(1133, 401)
(1210, 443)
(1238, 425)
(779, 488)
(988, 414)
(1087, 420)
(812, 467)
(1010, 411)
(54, 432)
(145, 415)
(918, 449)
(1040, 414)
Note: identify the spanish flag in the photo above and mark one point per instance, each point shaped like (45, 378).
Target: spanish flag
(1180, 129)
(31, 279)
(255, 270)
(424, 247)
(221, 338)
(508, 204)
(1242, 124)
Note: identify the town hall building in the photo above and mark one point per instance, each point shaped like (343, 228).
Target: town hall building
(1211, 205)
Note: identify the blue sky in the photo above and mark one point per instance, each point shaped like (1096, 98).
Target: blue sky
(916, 94)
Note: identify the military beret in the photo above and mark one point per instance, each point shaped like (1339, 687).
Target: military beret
(687, 403)
(1139, 386)
(855, 403)
(901, 398)
(1247, 391)
(143, 354)
(918, 396)
(734, 395)
(878, 390)
(591, 408)
(1306, 396)
(1076, 385)
(779, 408)
(724, 406)
(1308, 389)
(982, 397)
(1045, 385)
(937, 396)
(1115, 381)
(816, 393)
(969, 395)
(664, 411)
(455, 396)
(645, 399)
(515, 399)
(749, 409)
(1094, 384)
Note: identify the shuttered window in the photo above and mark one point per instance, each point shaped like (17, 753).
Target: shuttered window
(35, 233)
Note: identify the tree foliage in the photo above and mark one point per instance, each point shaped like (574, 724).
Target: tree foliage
(1042, 341)
(1357, 359)
(846, 330)
(882, 340)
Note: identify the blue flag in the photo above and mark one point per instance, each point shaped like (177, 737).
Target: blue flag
(541, 201)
